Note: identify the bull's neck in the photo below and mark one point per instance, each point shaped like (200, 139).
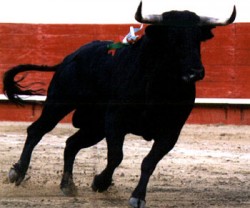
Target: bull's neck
(157, 56)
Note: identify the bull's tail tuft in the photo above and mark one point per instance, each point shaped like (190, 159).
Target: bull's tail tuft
(13, 89)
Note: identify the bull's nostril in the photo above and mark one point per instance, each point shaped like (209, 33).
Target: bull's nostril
(194, 75)
(186, 78)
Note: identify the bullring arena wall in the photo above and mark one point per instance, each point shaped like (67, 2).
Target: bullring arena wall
(46, 31)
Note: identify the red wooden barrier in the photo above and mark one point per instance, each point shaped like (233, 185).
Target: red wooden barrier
(226, 58)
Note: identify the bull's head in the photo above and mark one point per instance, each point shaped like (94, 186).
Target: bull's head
(182, 33)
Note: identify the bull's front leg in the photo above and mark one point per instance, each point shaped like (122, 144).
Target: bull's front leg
(160, 148)
(103, 181)
(115, 139)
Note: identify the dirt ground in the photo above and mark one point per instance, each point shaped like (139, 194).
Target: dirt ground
(209, 167)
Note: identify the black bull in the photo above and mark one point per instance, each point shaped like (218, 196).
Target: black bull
(147, 88)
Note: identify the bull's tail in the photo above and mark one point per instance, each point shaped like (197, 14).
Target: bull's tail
(13, 89)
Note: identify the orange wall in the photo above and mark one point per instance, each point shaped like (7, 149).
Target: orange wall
(225, 57)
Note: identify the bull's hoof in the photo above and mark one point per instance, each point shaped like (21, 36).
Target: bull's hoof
(15, 175)
(68, 186)
(137, 203)
(100, 185)
(69, 190)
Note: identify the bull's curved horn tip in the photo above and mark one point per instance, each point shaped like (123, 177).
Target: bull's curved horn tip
(138, 14)
(233, 16)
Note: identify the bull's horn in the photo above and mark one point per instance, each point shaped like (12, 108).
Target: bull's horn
(215, 22)
(158, 19)
(149, 19)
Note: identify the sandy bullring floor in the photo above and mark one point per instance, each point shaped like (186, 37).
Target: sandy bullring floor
(209, 167)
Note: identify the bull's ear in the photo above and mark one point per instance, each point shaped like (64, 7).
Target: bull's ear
(154, 31)
(206, 33)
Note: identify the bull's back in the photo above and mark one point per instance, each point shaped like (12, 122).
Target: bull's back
(84, 74)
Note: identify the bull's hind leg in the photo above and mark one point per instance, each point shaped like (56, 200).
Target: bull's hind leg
(50, 116)
(81, 139)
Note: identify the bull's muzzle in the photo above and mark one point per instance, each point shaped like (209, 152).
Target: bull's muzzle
(193, 75)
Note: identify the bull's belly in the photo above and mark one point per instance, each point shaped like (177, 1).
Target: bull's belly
(158, 122)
